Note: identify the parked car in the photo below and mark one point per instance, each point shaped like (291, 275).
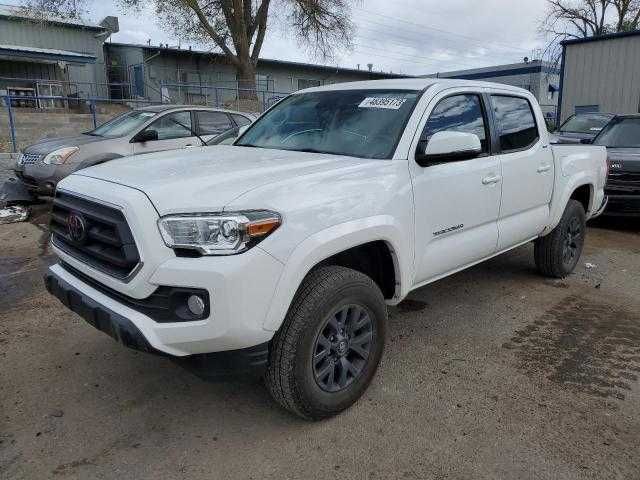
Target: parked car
(581, 128)
(143, 130)
(280, 253)
(622, 139)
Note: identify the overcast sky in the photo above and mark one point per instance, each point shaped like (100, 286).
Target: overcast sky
(407, 36)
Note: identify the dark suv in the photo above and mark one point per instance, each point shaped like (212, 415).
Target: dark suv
(621, 136)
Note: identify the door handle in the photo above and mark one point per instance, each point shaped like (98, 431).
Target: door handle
(491, 179)
(544, 168)
(190, 146)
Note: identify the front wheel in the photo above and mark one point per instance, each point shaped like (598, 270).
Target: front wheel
(327, 351)
(558, 253)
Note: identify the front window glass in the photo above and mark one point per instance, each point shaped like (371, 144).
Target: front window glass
(359, 123)
(588, 123)
(459, 113)
(621, 133)
(515, 121)
(123, 124)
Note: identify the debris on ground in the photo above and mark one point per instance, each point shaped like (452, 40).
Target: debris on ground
(14, 192)
(589, 266)
(14, 214)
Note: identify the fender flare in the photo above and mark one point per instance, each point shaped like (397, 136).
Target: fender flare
(559, 206)
(338, 238)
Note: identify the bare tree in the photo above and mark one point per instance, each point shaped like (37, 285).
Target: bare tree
(628, 12)
(237, 28)
(47, 9)
(569, 19)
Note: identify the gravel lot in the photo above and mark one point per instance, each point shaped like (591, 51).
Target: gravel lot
(494, 373)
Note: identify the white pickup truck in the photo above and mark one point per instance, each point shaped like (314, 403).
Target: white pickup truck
(280, 253)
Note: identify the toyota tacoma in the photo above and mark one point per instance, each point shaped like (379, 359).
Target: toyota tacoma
(279, 254)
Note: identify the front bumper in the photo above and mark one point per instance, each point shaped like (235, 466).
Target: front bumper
(240, 289)
(623, 206)
(245, 361)
(40, 178)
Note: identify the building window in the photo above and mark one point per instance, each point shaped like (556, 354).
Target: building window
(262, 82)
(308, 83)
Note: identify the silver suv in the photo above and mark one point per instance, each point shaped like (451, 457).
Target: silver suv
(143, 130)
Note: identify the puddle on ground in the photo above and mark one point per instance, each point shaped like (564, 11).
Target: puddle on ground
(591, 347)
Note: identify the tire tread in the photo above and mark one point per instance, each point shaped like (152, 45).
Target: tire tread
(279, 378)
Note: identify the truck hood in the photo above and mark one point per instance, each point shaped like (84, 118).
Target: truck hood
(206, 179)
(48, 145)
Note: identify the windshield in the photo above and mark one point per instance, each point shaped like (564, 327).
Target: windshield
(122, 124)
(620, 133)
(587, 123)
(358, 123)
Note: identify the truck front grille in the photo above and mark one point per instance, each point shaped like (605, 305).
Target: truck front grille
(624, 182)
(95, 234)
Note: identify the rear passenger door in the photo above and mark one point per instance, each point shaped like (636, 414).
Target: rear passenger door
(527, 169)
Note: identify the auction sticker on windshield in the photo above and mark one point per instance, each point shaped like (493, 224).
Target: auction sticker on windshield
(391, 103)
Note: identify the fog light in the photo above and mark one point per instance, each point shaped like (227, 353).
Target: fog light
(196, 305)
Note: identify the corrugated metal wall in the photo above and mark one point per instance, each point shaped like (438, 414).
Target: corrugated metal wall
(605, 73)
(43, 35)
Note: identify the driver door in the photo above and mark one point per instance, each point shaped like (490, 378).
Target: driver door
(457, 203)
(174, 132)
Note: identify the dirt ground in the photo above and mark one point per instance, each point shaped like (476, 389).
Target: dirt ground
(493, 373)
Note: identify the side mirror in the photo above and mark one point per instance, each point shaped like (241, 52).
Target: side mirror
(448, 146)
(242, 129)
(586, 141)
(147, 135)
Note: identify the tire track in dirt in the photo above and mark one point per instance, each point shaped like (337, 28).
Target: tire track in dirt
(584, 345)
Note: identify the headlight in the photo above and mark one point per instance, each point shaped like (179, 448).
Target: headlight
(60, 156)
(218, 233)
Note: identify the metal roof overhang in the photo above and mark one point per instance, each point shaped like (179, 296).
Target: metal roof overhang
(43, 55)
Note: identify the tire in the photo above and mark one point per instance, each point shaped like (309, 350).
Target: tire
(328, 298)
(558, 253)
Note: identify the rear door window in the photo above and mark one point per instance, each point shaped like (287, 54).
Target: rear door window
(516, 123)
(173, 125)
(241, 120)
(212, 123)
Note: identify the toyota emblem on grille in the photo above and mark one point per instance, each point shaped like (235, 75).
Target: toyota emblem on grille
(77, 227)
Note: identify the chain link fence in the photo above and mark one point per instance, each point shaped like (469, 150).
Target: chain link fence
(24, 120)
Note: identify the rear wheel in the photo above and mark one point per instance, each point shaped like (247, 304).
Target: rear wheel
(558, 253)
(328, 349)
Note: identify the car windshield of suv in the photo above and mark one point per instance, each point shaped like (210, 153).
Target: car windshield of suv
(122, 124)
(358, 123)
(621, 133)
(587, 123)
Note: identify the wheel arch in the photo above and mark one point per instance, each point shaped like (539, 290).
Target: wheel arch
(349, 245)
(580, 188)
